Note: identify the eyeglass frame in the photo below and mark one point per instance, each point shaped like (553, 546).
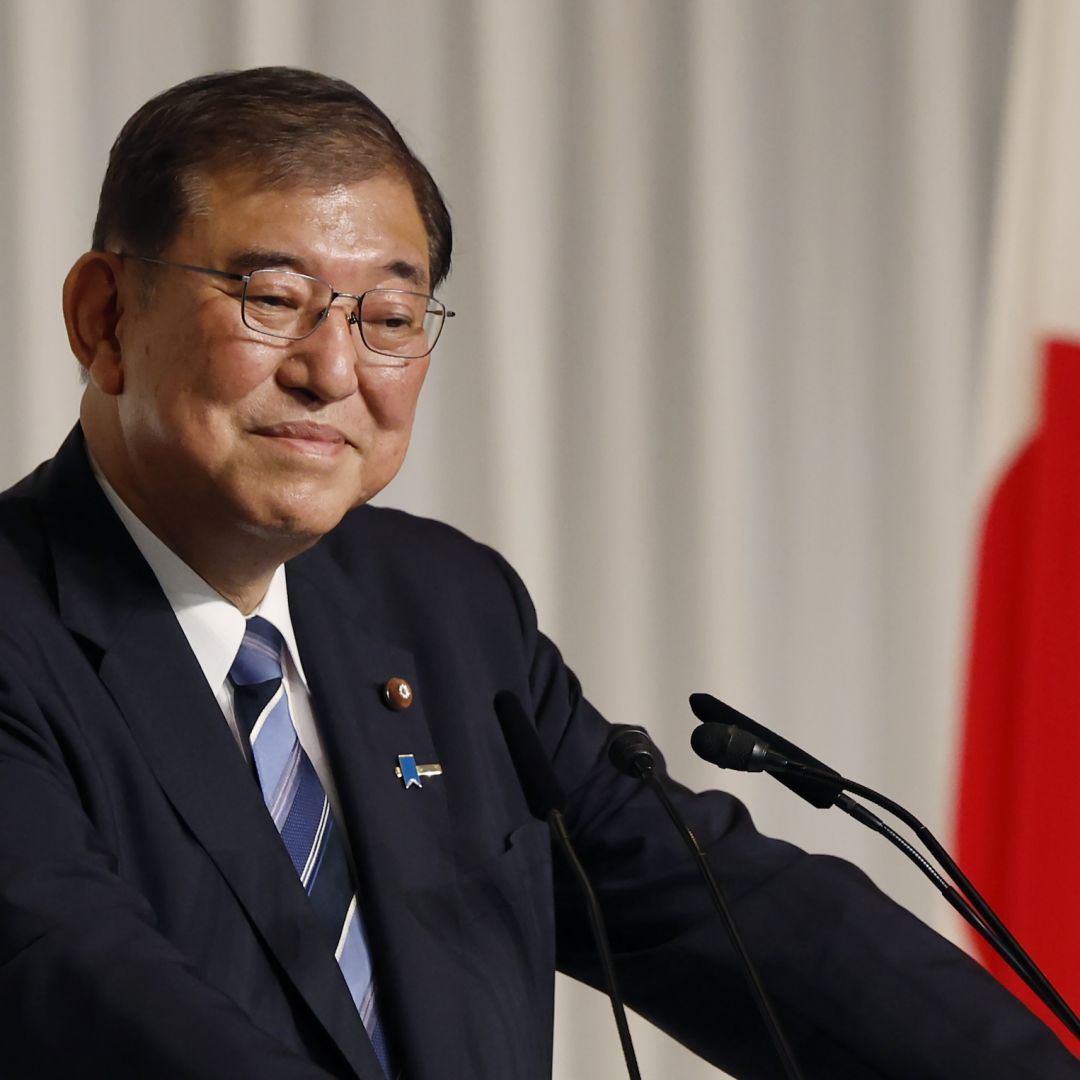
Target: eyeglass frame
(353, 317)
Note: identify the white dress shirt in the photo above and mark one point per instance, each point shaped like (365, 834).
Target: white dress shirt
(214, 628)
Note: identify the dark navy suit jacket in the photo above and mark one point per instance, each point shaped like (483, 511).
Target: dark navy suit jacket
(151, 924)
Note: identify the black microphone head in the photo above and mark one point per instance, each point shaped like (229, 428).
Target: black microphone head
(728, 746)
(631, 752)
(818, 792)
(542, 790)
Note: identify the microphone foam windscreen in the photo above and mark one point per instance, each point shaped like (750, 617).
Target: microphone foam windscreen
(629, 750)
(724, 745)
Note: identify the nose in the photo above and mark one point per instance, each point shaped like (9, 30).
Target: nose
(324, 364)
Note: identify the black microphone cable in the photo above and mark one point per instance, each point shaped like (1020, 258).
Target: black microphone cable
(631, 752)
(545, 799)
(730, 746)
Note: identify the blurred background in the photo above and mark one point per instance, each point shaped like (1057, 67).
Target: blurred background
(720, 276)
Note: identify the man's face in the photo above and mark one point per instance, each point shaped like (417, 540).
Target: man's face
(224, 429)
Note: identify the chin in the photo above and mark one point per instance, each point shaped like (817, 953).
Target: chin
(303, 519)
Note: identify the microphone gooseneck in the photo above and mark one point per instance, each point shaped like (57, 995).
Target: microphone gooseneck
(956, 901)
(631, 752)
(545, 798)
(824, 787)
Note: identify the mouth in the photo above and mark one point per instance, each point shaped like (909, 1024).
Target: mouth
(319, 440)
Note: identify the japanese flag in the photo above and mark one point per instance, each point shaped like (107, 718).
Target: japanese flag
(1019, 808)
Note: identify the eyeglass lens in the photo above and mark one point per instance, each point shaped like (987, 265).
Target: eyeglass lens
(394, 322)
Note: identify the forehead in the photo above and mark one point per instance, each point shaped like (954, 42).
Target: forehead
(237, 218)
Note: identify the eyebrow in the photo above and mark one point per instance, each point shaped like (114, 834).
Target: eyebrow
(244, 262)
(412, 273)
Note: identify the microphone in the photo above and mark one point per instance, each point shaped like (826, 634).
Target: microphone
(819, 791)
(631, 752)
(545, 798)
(731, 747)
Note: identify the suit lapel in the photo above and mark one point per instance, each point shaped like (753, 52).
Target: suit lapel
(109, 596)
(400, 836)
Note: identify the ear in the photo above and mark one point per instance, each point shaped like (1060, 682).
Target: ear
(92, 310)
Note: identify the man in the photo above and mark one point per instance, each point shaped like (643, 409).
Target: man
(257, 816)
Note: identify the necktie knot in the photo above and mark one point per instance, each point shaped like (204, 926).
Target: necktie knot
(259, 658)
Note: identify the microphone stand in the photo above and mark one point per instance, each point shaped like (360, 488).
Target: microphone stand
(545, 798)
(630, 752)
(600, 937)
(983, 918)
(955, 900)
(731, 746)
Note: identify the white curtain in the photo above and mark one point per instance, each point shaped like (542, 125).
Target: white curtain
(718, 274)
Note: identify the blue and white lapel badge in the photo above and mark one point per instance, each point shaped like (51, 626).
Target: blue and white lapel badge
(410, 773)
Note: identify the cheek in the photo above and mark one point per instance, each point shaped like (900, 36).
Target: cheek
(198, 382)
(226, 365)
(391, 394)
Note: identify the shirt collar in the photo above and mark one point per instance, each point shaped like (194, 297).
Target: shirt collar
(213, 626)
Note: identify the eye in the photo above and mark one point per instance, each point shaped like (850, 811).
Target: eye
(273, 300)
(284, 303)
(391, 312)
(280, 290)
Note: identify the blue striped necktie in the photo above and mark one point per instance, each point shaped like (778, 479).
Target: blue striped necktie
(301, 811)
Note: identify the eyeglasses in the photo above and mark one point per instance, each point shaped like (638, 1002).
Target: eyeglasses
(285, 304)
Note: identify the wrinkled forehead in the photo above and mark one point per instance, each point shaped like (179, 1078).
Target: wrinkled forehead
(357, 207)
(241, 223)
(203, 185)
